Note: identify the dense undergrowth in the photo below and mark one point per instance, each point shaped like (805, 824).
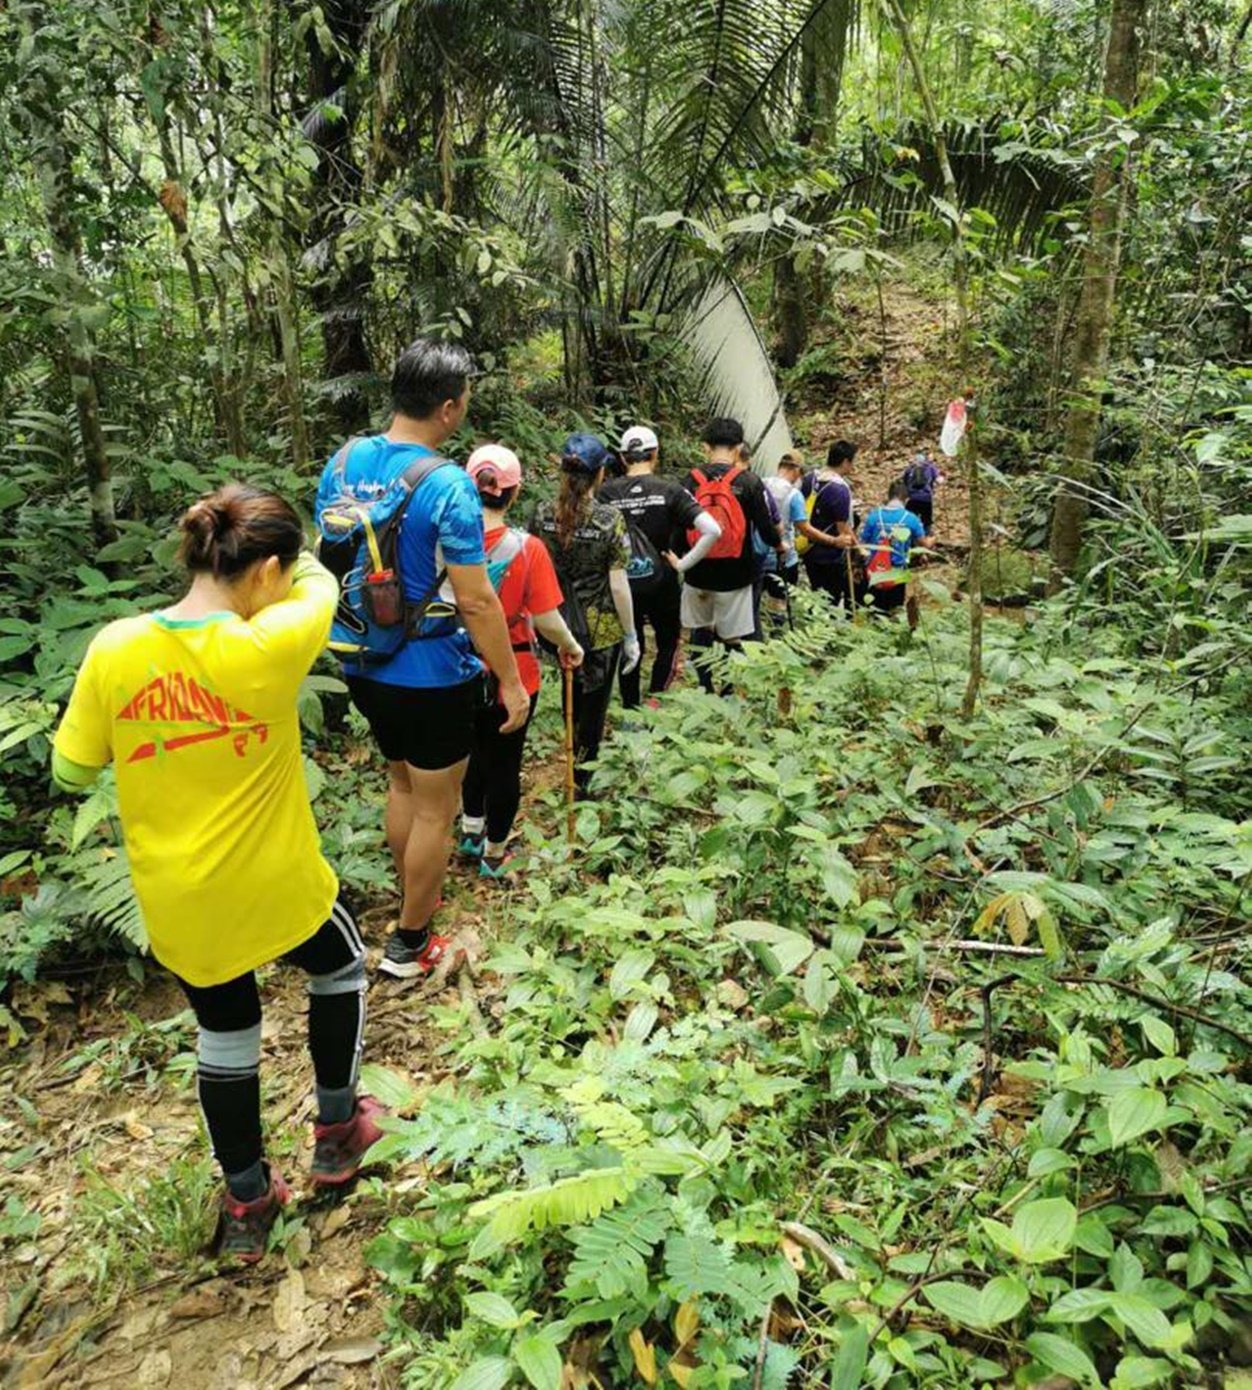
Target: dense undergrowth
(760, 992)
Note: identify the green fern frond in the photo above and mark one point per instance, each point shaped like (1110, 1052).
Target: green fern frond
(610, 1255)
(110, 896)
(566, 1202)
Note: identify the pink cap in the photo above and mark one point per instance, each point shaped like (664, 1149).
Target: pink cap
(501, 465)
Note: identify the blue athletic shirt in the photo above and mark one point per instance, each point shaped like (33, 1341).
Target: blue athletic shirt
(443, 526)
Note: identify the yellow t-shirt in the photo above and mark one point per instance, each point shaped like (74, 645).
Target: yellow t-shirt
(199, 718)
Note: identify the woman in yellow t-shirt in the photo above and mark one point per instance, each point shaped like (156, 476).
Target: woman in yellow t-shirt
(195, 706)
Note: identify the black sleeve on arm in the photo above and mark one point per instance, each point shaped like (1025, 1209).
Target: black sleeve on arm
(683, 508)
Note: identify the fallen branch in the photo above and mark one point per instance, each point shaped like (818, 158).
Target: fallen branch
(810, 1240)
(762, 1346)
(989, 948)
(1157, 1002)
(465, 987)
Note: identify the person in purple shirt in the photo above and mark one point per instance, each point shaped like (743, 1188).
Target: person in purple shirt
(829, 526)
(921, 478)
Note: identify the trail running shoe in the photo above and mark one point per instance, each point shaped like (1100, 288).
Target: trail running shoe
(496, 868)
(339, 1149)
(404, 963)
(471, 847)
(243, 1228)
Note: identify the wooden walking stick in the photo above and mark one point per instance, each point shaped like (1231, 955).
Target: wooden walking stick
(853, 607)
(568, 673)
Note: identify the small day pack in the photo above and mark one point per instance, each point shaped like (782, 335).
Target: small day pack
(358, 543)
(917, 477)
(646, 569)
(717, 498)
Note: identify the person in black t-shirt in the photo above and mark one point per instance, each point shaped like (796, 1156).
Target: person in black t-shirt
(661, 511)
(717, 594)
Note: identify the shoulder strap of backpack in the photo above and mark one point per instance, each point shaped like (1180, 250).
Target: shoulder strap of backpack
(731, 474)
(341, 458)
(417, 473)
(700, 476)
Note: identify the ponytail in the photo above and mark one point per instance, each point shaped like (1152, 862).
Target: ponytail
(573, 502)
(228, 531)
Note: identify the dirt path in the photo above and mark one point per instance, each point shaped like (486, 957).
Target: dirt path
(919, 380)
(105, 1148)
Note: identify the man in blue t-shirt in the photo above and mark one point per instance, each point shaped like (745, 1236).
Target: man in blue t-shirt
(420, 704)
(889, 535)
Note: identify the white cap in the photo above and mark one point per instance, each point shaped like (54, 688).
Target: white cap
(639, 439)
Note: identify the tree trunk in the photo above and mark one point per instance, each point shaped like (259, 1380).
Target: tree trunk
(44, 105)
(790, 288)
(1094, 319)
(339, 292)
(960, 276)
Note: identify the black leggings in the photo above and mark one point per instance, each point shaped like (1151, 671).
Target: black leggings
(661, 610)
(593, 689)
(493, 779)
(229, 1015)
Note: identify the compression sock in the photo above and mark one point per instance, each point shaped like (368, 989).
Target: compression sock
(252, 1183)
(414, 939)
(335, 1104)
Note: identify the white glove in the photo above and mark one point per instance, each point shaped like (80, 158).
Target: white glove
(631, 653)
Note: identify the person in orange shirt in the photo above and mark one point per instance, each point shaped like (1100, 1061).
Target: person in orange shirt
(522, 573)
(195, 706)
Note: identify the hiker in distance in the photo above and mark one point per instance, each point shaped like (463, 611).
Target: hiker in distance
(521, 572)
(658, 511)
(590, 551)
(717, 596)
(890, 533)
(922, 477)
(407, 633)
(827, 534)
(195, 706)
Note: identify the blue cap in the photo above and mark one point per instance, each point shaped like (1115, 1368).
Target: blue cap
(586, 453)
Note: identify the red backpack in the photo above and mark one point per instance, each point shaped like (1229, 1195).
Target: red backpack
(718, 499)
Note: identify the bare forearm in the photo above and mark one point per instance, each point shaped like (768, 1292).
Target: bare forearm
(553, 628)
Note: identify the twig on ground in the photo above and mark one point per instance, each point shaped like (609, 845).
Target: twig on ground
(1157, 1002)
(761, 1347)
(809, 1238)
(988, 1039)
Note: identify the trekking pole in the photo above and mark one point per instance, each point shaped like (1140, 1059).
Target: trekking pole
(568, 673)
(853, 606)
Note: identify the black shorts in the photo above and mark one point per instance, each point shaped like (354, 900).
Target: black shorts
(427, 728)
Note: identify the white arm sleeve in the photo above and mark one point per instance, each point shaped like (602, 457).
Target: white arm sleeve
(709, 532)
(622, 601)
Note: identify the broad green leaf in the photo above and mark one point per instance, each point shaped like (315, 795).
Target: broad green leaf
(849, 1365)
(1002, 1298)
(1078, 1305)
(958, 1302)
(1159, 1034)
(784, 950)
(1044, 1230)
(1045, 1161)
(1139, 1372)
(1133, 1112)
(492, 1308)
(1063, 1357)
(631, 970)
(397, 1092)
(489, 1373)
(539, 1361)
(1144, 1319)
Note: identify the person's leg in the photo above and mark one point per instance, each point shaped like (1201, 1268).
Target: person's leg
(228, 1079)
(477, 776)
(334, 960)
(630, 681)
(668, 628)
(702, 656)
(504, 787)
(434, 796)
(591, 708)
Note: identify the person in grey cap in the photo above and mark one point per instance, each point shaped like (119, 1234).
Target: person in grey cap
(659, 512)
